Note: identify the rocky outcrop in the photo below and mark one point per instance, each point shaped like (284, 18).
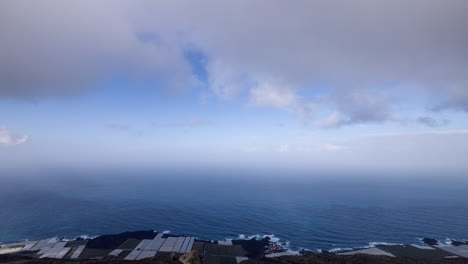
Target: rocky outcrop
(430, 241)
(190, 258)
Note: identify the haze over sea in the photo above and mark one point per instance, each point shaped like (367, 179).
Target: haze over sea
(309, 210)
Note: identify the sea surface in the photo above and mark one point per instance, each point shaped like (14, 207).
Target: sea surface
(306, 210)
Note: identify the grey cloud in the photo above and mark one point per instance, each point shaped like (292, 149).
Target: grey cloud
(61, 47)
(432, 122)
(357, 106)
(64, 47)
(454, 98)
(346, 45)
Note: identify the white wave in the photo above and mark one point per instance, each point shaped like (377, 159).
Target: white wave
(449, 241)
(297, 252)
(370, 245)
(374, 244)
(166, 231)
(272, 237)
(446, 241)
(84, 237)
(333, 250)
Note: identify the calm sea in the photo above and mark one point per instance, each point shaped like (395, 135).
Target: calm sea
(313, 211)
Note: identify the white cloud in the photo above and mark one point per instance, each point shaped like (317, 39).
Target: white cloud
(425, 133)
(251, 149)
(335, 119)
(334, 147)
(225, 82)
(280, 95)
(284, 148)
(8, 138)
(427, 151)
(267, 94)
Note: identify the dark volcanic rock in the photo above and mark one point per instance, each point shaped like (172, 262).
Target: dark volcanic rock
(322, 258)
(113, 241)
(430, 241)
(459, 243)
(308, 258)
(254, 248)
(13, 258)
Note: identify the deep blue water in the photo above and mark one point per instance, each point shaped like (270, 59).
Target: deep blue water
(311, 211)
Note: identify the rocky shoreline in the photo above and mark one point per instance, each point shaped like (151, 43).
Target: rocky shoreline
(152, 247)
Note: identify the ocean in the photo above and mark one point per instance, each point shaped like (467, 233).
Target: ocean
(315, 211)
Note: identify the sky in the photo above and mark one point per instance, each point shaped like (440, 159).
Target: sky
(301, 84)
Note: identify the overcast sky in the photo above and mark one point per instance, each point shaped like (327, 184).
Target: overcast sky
(309, 84)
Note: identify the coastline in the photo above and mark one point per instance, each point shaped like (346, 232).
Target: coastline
(420, 241)
(124, 245)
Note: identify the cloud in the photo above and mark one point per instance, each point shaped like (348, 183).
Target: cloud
(426, 133)
(358, 106)
(432, 122)
(284, 148)
(334, 147)
(10, 139)
(434, 149)
(57, 48)
(429, 151)
(225, 82)
(251, 149)
(360, 56)
(267, 94)
(280, 95)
